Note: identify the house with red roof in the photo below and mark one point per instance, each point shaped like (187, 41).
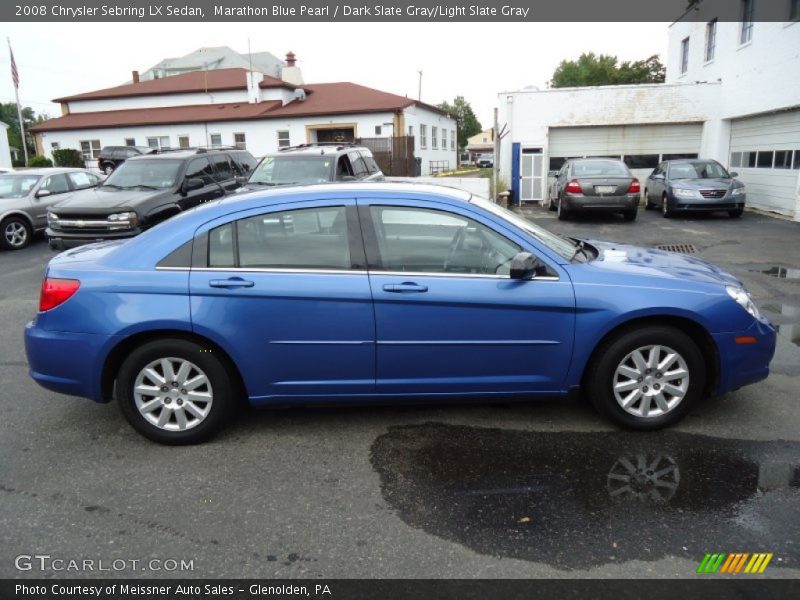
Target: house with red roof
(248, 109)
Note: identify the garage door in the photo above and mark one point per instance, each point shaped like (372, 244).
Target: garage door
(626, 140)
(765, 151)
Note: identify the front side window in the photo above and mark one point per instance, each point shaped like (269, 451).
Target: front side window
(56, 184)
(222, 168)
(432, 241)
(747, 21)
(684, 55)
(711, 39)
(310, 238)
(200, 168)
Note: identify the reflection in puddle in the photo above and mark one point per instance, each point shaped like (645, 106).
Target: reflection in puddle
(577, 500)
(786, 319)
(782, 272)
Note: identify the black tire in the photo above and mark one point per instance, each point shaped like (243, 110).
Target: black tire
(647, 204)
(563, 213)
(666, 211)
(600, 375)
(736, 213)
(15, 233)
(221, 388)
(550, 204)
(630, 215)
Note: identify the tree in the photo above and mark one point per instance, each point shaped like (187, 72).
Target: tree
(8, 115)
(467, 123)
(591, 69)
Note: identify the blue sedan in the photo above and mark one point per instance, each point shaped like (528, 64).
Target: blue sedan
(384, 292)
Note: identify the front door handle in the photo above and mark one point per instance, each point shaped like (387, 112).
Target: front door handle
(405, 287)
(230, 283)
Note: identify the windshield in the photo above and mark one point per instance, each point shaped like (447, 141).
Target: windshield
(600, 168)
(282, 170)
(17, 186)
(159, 174)
(563, 246)
(698, 170)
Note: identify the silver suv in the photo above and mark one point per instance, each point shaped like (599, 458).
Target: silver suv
(26, 195)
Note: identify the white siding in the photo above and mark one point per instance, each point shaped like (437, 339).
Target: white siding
(769, 188)
(418, 115)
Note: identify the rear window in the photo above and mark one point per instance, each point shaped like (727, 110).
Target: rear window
(600, 168)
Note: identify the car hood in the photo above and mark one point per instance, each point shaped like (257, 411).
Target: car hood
(100, 198)
(696, 184)
(652, 262)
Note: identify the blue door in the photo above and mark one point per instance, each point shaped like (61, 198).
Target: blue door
(285, 291)
(448, 317)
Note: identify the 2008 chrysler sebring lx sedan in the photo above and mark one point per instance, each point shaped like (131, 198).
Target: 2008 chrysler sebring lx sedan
(372, 292)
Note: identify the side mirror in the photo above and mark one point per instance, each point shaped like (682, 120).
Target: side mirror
(347, 178)
(241, 179)
(552, 173)
(658, 176)
(526, 266)
(733, 174)
(43, 193)
(192, 183)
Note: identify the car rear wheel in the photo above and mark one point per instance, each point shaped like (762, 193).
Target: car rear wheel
(16, 233)
(735, 214)
(647, 378)
(666, 211)
(563, 213)
(174, 391)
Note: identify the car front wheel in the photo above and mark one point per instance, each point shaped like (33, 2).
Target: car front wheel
(647, 378)
(15, 233)
(666, 211)
(174, 391)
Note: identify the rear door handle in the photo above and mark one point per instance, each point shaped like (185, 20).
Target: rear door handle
(230, 283)
(405, 287)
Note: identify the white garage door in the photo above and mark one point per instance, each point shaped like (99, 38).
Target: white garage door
(765, 151)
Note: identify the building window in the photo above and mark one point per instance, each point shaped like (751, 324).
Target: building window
(240, 141)
(452, 139)
(90, 149)
(377, 130)
(743, 159)
(765, 159)
(55, 145)
(423, 136)
(158, 142)
(783, 159)
(216, 139)
(641, 161)
(747, 21)
(411, 131)
(684, 55)
(796, 163)
(444, 139)
(283, 139)
(130, 141)
(183, 141)
(711, 39)
(434, 141)
(736, 159)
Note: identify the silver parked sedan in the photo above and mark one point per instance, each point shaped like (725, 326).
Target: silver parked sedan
(26, 194)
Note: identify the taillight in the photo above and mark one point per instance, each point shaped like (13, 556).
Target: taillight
(635, 188)
(56, 291)
(573, 187)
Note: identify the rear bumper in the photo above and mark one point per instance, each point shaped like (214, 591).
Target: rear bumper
(600, 203)
(67, 363)
(64, 240)
(745, 363)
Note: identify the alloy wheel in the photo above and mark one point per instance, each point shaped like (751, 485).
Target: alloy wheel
(15, 234)
(644, 478)
(651, 381)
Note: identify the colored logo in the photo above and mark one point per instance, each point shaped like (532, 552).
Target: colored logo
(737, 562)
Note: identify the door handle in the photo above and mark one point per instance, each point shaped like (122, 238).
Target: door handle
(230, 283)
(405, 287)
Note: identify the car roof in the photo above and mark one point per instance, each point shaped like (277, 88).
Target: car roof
(691, 161)
(182, 154)
(47, 171)
(317, 150)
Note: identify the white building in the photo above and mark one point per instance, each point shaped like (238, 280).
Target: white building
(247, 109)
(5, 151)
(732, 93)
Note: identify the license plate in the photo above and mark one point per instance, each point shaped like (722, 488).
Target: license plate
(605, 189)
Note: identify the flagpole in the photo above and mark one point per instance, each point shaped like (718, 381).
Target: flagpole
(19, 111)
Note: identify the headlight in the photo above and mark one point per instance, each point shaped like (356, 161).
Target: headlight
(52, 219)
(123, 220)
(743, 299)
(684, 193)
(737, 191)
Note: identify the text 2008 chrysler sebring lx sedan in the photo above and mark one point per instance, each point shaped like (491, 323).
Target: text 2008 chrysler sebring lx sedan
(368, 292)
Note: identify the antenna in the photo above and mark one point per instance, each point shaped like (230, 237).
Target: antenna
(419, 90)
(249, 54)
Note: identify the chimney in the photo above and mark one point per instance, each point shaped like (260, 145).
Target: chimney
(135, 76)
(291, 73)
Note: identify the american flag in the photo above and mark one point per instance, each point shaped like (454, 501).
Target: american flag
(14, 72)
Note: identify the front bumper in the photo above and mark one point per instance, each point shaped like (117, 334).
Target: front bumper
(65, 362)
(600, 203)
(700, 204)
(64, 240)
(745, 363)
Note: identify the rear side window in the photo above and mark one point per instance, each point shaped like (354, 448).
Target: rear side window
(222, 168)
(372, 166)
(200, 168)
(312, 238)
(81, 180)
(180, 258)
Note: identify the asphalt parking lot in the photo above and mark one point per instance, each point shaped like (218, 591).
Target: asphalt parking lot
(487, 490)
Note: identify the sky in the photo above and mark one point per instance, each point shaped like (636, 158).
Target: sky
(473, 60)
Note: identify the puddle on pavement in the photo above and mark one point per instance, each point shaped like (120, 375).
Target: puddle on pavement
(781, 272)
(579, 500)
(786, 319)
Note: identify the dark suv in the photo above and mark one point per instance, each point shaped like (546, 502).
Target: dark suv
(144, 191)
(315, 163)
(111, 157)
